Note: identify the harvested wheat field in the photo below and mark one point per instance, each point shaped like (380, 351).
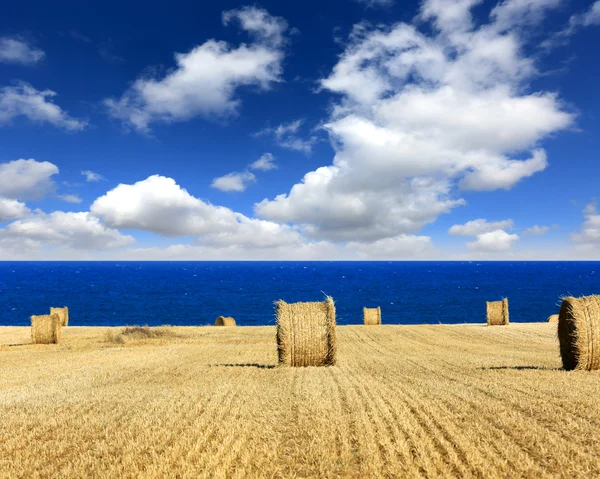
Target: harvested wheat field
(402, 401)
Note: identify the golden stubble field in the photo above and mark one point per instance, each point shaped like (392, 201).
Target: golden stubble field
(403, 401)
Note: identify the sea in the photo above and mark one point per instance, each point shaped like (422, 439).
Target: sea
(196, 293)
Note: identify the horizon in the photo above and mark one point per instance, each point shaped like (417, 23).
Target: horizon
(338, 130)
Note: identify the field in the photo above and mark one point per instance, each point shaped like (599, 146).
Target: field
(403, 401)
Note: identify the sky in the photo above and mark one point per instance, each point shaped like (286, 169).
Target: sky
(314, 130)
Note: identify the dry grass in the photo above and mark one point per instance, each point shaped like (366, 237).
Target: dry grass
(497, 312)
(402, 401)
(306, 333)
(138, 334)
(553, 318)
(372, 316)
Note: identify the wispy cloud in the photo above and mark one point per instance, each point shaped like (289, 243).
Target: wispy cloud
(92, 176)
(17, 50)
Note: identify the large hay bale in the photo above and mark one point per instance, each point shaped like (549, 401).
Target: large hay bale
(553, 318)
(225, 321)
(46, 329)
(306, 333)
(579, 333)
(372, 316)
(63, 313)
(497, 312)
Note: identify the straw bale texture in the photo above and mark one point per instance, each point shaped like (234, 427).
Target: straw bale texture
(372, 316)
(225, 321)
(63, 313)
(497, 312)
(306, 333)
(553, 318)
(579, 333)
(46, 329)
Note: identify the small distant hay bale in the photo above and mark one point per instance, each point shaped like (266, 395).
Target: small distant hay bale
(372, 316)
(553, 318)
(225, 321)
(497, 312)
(579, 333)
(46, 329)
(63, 313)
(306, 333)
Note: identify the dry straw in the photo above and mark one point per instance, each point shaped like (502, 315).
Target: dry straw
(306, 333)
(579, 332)
(553, 318)
(372, 316)
(46, 329)
(63, 313)
(225, 321)
(497, 312)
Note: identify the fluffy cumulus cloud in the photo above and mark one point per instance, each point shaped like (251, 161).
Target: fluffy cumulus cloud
(287, 135)
(422, 115)
(12, 209)
(236, 181)
(480, 226)
(265, 163)
(16, 50)
(26, 179)
(399, 247)
(589, 234)
(536, 230)
(25, 101)
(493, 241)
(78, 231)
(159, 205)
(205, 80)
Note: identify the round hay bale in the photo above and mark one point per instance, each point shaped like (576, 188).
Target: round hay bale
(225, 321)
(497, 312)
(579, 333)
(553, 318)
(372, 316)
(46, 329)
(306, 333)
(63, 313)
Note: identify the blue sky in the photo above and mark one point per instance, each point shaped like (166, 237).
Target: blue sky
(347, 129)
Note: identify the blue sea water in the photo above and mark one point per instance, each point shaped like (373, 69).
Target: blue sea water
(195, 293)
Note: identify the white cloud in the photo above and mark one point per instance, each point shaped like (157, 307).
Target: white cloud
(265, 163)
(536, 230)
(376, 3)
(26, 179)
(70, 198)
(92, 176)
(586, 19)
(235, 181)
(493, 241)
(287, 136)
(205, 80)
(159, 205)
(23, 100)
(589, 234)
(12, 209)
(399, 247)
(16, 50)
(480, 226)
(79, 231)
(420, 116)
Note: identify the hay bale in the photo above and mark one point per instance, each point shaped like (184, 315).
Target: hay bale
(225, 321)
(46, 329)
(579, 333)
(497, 312)
(306, 333)
(372, 316)
(553, 318)
(63, 313)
